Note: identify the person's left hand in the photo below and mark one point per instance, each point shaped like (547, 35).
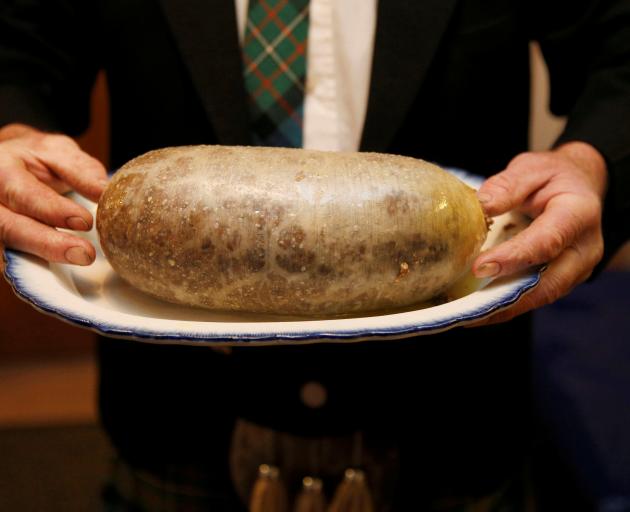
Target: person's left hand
(562, 191)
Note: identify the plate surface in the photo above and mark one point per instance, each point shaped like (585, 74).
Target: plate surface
(95, 297)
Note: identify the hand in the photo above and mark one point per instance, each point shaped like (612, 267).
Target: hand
(562, 191)
(35, 169)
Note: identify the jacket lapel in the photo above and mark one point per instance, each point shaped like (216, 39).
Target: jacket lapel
(407, 36)
(206, 35)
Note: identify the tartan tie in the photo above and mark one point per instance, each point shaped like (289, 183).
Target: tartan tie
(274, 59)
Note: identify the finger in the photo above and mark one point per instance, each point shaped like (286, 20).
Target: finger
(45, 175)
(28, 235)
(57, 185)
(562, 275)
(563, 220)
(83, 173)
(23, 193)
(510, 188)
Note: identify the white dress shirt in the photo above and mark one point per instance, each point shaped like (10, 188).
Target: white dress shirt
(338, 66)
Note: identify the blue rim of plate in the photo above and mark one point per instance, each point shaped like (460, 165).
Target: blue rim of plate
(25, 291)
(13, 259)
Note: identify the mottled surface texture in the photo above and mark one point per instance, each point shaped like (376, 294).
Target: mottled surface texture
(288, 231)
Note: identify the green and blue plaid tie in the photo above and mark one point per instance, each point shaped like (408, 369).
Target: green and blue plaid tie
(274, 58)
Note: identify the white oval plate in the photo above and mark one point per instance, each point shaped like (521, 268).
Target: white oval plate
(96, 298)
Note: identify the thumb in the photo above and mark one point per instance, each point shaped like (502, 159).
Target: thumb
(508, 189)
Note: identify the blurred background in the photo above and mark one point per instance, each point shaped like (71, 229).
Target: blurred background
(53, 456)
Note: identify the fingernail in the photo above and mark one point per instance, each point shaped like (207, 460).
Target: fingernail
(484, 197)
(489, 269)
(77, 223)
(103, 183)
(78, 256)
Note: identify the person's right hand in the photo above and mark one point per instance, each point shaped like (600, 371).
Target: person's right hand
(36, 168)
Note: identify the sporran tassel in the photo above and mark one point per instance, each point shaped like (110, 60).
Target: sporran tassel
(353, 494)
(268, 493)
(311, 498)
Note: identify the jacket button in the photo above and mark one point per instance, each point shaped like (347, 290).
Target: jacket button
(313, 395)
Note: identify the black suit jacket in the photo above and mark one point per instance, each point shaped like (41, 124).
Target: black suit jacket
(450, 83)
